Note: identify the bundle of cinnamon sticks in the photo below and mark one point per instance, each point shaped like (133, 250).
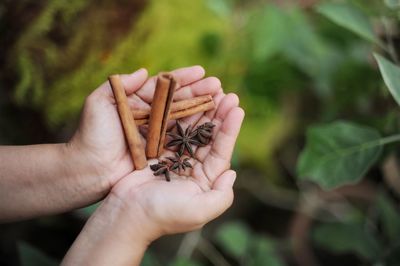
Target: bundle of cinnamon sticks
(163, 109)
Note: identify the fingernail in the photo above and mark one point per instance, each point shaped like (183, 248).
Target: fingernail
(232, 178)
(139, 71)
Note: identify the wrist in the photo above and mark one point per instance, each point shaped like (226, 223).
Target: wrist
(79, 166)
(110, 237)
(133, 220)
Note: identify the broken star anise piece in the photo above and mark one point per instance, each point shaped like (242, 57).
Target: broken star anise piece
(161, 168)
(184, 139)
(178, 162)
(204, 133)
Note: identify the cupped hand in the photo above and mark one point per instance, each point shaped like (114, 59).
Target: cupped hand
(100, 135)
(199, 194)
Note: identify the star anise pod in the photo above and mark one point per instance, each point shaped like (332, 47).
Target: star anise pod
(184, 139)
(179, 162)
(161, 168)
(204, 133)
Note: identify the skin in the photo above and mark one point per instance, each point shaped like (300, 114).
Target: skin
(138, 207)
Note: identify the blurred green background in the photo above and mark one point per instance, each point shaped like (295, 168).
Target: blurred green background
(294, 65)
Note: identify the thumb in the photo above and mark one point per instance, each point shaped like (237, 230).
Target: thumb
(214, 202)
(225, 181)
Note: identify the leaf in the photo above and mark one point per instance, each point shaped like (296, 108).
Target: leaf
(30, 256)
(349, 17)
(311, 53)
(234, 238)
(338, 153)
(389, 217)
(391, 75)
(346, 238)
(267, 31)
(263, 252)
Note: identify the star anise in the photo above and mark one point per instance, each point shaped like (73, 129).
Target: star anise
(184, 139)
(160, 168)
(204, 133)
(179, 162)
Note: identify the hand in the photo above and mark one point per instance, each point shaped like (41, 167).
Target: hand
(100, 135)
(187, 202)
(142, 207)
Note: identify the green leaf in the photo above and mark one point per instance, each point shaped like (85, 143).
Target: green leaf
(263, 252)
(310, 52)
(347, 238)
(268, 32)
(338, 153)
(390, 218)
(234, 238)
(391, 75)
(30, 256)
(349, 17)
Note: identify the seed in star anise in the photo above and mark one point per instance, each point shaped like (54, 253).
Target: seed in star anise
(204, 133)
(184, 139)
(160, 168)
(179, 162)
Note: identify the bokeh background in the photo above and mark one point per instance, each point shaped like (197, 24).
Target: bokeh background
(294, 64)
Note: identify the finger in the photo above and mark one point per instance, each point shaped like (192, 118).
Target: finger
(219, 157)
(204, 116)
(184, 76)
(135, 102)
(229, 102)
(131, 82)
(211, 204)
(193, 119)
(210, 85)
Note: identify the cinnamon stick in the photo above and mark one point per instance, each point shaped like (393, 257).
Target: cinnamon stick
(175, 106)
(179, 109)
(160, 110)
(128, 123)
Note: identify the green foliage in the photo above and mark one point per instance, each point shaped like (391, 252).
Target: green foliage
(174, 35)
(291, 68)
(338, 153)
(350, 18)
(251, 249)
(184, 262)
(263, 252)
(31, 86)
(347, 238)
(393, 4)
(390, 218)
(267, 30)
(30, 256)
(149, 259)
(391, 76)
(234, 237)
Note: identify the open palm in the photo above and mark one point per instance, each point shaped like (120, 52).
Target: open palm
(197, 195)
(100, 134)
